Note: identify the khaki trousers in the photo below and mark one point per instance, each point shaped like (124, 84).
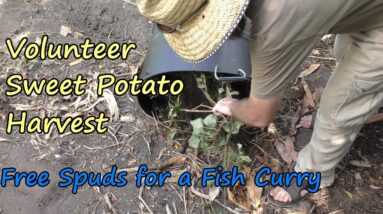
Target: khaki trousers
(353, 94)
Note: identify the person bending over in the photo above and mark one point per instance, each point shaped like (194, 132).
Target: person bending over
(283, 33)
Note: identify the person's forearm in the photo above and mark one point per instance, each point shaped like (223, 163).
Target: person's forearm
(255, 112)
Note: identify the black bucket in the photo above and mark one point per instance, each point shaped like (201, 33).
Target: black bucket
(230, 64)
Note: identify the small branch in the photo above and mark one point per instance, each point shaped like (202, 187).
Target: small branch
(143, 201)
(148, 144)
(109, 203)
(130, 2)
(323, 58)
(196, 111)
(208, 97)
(185, 202)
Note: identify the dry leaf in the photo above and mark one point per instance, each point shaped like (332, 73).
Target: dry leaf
(78, 35)
(286, 156)
(275, 165)
(349, 194)
(317, 95)
(133, 69)
(360, 164)
(374, 180)
(291, 148)
(261, 159)
(42, 113)
(78, 61)
(20, 36)
(4, 140)
(214, 193)
(174, 161)
(255, 193)
(309, 71)
(238, 201)
(295, 120)
(2, 116)
(327, 37)
(272, 129)
(127, 118)
(315, 52)
(123, 65)
(305, 105)
(375, 187)
(65, 31)
(168, 210)
(358, 176)
(286, 150)
(131, 162)
(38, 40)
(309, 95)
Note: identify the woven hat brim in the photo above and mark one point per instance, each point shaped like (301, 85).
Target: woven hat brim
(202, 35)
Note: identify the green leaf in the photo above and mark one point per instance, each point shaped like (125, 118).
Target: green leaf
(201, 82)
(245, 158)
(172, 134)
(175, 108)
(222, 141)
(232, 127)
(204, 145)
(211, 121)
(194, 142)
(221, 91)
(349, 194)
(232, 157)
(197, 125)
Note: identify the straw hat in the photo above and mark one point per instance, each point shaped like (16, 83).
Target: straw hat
(200, 26)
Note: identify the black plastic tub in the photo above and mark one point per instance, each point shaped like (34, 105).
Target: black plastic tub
(230, 64)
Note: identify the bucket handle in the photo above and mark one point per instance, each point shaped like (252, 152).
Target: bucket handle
(238, 78)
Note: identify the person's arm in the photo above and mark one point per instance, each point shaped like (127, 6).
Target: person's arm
(251, 111)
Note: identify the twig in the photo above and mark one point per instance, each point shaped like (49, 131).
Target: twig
(175, 190)
(156, 123)
(143, 201)
(114, 136)
(323, 58)
(147, 143)
(109, 203)
(208, 97)
(337, 211)
(107, 147)
(174, 207)
(185, 203)
(196, 111)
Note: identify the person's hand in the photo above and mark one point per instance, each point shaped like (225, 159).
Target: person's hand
(223, 107)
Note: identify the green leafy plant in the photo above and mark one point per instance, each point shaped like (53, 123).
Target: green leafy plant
(213, 133)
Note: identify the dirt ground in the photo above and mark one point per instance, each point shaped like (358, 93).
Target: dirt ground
(138, 139)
